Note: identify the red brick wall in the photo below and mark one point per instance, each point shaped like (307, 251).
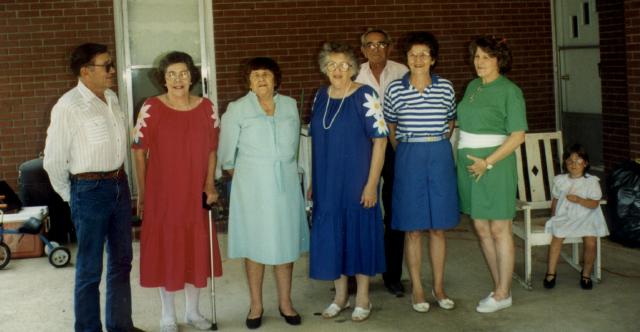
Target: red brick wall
(632, 29)
(292, 31)
(36, 39)
(613, 73)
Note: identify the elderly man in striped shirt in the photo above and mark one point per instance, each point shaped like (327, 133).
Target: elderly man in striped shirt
(84, 156)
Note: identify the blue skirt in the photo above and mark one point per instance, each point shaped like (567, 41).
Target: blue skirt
(425, 194)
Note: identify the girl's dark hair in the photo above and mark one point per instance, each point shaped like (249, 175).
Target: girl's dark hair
(496, 48)
(266, 64)
(421, 38)
(173, 58)
(580, 151)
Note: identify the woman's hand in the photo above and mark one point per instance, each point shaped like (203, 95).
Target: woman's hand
(212, 195)
(478, 168)
(140, 207)
(309, 194)
(369, 196)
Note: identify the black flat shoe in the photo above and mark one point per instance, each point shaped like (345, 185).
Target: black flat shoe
(585, 282)
(254, 323)
(395, 288)
(291, 320)
(549, 283)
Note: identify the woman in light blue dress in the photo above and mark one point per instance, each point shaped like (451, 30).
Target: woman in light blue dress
(267, 223)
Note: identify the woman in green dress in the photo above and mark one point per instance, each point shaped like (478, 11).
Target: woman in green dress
(492, 122)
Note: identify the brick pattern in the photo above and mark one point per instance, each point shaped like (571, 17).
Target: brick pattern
(292, 31)
(613, 73)
(36, 39)
(632, 32)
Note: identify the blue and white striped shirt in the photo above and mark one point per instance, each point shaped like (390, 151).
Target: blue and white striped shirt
(420, 115)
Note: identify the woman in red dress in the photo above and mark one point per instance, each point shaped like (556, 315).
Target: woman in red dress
(175, 143)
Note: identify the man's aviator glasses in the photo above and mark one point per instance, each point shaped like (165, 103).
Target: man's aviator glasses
(373, 46)
(343, 66)
(107, 66)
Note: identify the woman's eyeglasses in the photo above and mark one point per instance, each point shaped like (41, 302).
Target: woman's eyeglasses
(343, 66)
(173, 76)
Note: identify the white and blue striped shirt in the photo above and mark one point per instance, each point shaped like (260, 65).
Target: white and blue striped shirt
(416, 114)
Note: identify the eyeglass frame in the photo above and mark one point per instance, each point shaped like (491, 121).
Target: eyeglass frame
(377, 45)
(107, 65)
(177, 76)
(343, 66)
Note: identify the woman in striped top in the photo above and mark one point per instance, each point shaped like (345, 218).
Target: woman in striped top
(420, 110)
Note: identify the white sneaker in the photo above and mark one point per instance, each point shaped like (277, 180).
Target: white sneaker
(493, 305)
(486, 298)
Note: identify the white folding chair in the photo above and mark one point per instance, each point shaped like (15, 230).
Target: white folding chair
(537, 166)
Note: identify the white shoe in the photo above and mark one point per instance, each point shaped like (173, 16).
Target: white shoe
(445, 303)
(360, 314)
(421, 307)
(486, 298)
(168, 326)
(333, 310)
(200, 323)
(493, 305)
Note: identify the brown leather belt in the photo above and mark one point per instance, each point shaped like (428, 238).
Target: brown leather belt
(117, 174)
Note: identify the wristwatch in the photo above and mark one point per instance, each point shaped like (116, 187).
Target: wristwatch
(489, 166)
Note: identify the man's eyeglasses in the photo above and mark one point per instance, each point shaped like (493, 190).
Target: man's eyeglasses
(173, 76)
(107, 66)
(343, 66)
(373, 46)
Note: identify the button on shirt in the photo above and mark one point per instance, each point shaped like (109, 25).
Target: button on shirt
(420, 114)
(391, 72)
(85, 135)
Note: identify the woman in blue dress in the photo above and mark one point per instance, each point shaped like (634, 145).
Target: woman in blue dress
(348, 143)
(267, 223)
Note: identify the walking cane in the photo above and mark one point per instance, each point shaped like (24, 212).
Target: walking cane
(214, 325)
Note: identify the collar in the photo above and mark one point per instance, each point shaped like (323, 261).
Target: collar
(435, 79)
(88, 95)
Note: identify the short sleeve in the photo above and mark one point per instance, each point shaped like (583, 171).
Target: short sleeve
(371, 108)
(314, 107)
(593, 190)
(390, 106)
(214, 125)
(556, 190)
(143, 131)
(229, 136)
(451, 104)
(516, 110)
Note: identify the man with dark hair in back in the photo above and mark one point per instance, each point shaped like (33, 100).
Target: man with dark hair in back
(84, 157)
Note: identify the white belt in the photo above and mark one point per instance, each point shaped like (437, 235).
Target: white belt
(476, 141)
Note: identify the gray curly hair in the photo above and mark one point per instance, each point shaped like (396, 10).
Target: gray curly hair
(338, 47)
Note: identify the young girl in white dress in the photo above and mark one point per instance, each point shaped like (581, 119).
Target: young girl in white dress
(576, 212)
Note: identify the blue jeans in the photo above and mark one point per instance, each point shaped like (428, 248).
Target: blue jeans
(101, 211)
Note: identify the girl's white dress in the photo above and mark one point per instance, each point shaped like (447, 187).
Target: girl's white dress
(572, 219)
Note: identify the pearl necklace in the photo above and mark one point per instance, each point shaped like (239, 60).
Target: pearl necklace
(326, 108)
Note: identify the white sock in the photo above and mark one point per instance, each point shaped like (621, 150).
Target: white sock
(192, 297)
(168, 306)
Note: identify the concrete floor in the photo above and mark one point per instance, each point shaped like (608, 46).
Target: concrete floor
(35, 296)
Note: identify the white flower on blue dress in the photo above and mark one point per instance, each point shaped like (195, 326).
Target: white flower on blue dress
(374, 108)
(137, 130)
